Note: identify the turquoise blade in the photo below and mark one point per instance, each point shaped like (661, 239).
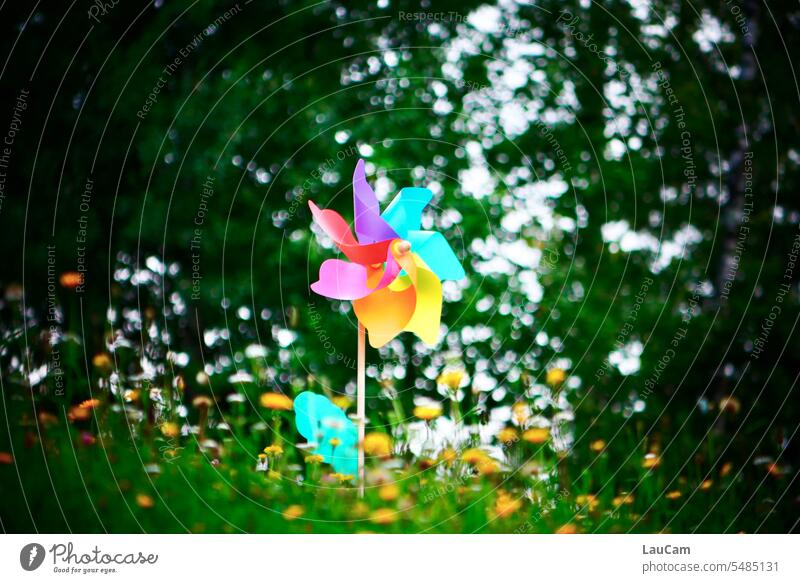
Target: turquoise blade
(434, 250)
(404, 213)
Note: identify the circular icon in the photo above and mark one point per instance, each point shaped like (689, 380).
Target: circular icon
(31, 556)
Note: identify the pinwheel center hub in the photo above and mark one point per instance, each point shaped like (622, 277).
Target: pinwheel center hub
(401, 247)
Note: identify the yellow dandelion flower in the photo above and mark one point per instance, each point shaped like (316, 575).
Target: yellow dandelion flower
(568, 528)
(487, 467)
(273, 450)
(588, 500)
(452, 378)
(506, 505)
(314, 459)
(102, 361)
(673, 495)
(341, 478)
(383, 516)
(170, 429)
(275, 401)
(78, 413)
(378, 444)
(388, 492)
(536, 435)
(448, 455)
(131, 395)
(651, 460)
(706, 484)
(293, 512)
(144, 501)
(507, 435)
(335, 441)
(623, 498)
(474, 455)
(47, 419)
(273, 475)
(342, 402)
(359, 510)
(556, 376)
(725, 469)
(597, 445)
(427, 413)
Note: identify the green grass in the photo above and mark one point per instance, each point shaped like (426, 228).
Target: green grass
(103, 475)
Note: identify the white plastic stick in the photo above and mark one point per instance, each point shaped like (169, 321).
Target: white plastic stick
(361, 409)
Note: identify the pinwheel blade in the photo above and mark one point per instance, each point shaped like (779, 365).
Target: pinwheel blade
(341, 280)
(412, 303)
(404, 213)
(339, 231)
(328, 429)
(385, 313)
(436, 252)
(344, 460)
(309, 408)
(428, 313)
(370, 227)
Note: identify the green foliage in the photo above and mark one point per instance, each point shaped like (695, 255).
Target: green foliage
(206, 128)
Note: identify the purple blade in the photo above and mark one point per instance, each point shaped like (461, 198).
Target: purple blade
(370, 227)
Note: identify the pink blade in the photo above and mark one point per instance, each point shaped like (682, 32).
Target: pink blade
(341, 280)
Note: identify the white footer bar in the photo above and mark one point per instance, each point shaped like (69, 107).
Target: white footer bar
(385, 559)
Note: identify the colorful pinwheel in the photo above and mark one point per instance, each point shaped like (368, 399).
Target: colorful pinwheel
(393, 277)
(328, 430)
(395, 270)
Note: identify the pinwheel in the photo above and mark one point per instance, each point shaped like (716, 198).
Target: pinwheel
(393, 273)
(328, 430)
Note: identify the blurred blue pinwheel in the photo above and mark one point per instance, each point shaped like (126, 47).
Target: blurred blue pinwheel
(328, 430)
